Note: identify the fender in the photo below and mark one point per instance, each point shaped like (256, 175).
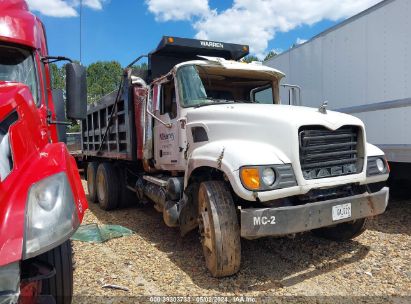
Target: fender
(52, 159)
(229, 155)
(372, 150)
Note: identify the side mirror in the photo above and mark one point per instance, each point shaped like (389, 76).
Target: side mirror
(294, 94)
(76, 91)
(60, 114)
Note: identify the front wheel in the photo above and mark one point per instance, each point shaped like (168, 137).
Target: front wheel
(219, 229)
(60, 286)
(342, 232)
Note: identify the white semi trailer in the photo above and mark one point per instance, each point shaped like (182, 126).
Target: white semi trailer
(362, 67)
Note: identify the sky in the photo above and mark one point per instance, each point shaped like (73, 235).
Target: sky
(124, 29)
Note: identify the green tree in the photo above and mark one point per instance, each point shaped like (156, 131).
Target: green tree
(103, 77)
(270, 54)
(58, 76)
(140, 70)
(250, 58)
(74, 127)
(142, 66)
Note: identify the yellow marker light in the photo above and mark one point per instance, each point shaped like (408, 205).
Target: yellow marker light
(245, 48)
(250, 178)
(170, 39)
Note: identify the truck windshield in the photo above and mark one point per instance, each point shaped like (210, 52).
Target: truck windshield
(204, 85)
(17, 65)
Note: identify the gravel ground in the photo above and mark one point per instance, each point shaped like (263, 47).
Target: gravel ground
(156, 261)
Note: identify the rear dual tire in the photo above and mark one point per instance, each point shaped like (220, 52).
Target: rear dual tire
(107, 186)
(126, 197)
(91, 181)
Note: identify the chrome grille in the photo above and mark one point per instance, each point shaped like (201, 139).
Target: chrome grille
(327, 153)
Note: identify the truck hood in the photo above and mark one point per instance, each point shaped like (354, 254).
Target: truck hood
(10, 96)
(275, 125)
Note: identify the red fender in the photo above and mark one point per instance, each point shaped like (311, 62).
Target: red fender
(53, 159)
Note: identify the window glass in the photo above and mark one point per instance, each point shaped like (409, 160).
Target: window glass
(168, 99)
(192, 90)
(264, 96)
(17, 65)
(201, 85)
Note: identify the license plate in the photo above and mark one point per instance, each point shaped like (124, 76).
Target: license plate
(340, 212)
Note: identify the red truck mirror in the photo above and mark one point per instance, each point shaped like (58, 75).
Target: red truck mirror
(76, 91)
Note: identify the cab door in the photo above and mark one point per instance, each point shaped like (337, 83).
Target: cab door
(166, 131)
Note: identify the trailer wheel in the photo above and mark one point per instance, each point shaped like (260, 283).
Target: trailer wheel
(219, 229)
(60, 286)
(342, 232)
(91, 181)
(107, 186)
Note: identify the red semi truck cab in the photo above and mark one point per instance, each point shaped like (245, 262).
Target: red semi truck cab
(42, 201)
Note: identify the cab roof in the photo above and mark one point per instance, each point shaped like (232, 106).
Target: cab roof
(18, 25)
(233, 65)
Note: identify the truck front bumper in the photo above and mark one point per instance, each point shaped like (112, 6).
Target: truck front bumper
(260, 222)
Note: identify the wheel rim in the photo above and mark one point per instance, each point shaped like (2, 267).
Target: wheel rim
(205, 229)
(100, 187)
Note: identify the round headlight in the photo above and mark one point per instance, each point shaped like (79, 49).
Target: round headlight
(380, 165)
(268, 176)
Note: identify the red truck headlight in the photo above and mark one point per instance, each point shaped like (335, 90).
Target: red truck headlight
(51, 216)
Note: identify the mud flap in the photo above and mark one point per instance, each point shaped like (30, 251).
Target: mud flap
(188, 210)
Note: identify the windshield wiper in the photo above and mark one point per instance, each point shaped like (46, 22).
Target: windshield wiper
(215, 101)
(244, 101)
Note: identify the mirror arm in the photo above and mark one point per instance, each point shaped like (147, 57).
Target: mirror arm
(168, 125)
(50, 121)
(56, 122)
(293, 87)
(51, 59)
(135, 60)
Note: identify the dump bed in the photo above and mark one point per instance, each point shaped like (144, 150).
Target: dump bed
(118, 142)
(126, 117)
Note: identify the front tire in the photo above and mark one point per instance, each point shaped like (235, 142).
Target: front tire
(219, 229)
(60, 286)
(342, 232)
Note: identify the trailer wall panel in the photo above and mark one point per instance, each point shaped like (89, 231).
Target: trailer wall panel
(109, 130)
(361, 67)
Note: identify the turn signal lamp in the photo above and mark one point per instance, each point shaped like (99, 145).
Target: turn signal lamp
(250, 178)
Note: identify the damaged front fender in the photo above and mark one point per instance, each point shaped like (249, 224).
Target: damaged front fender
(228, 156)
(52, 159)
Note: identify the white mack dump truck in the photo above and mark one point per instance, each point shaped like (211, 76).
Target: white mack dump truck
(206, 139)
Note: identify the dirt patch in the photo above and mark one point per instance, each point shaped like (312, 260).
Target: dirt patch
(157, 261)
